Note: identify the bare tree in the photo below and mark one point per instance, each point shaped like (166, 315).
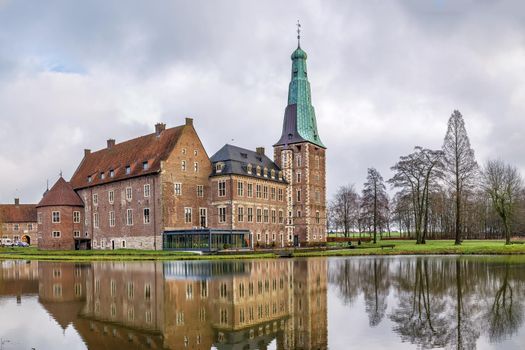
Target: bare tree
(344, 208)
(460, 165)
(415, 174)
(374, 201)
(503, 184)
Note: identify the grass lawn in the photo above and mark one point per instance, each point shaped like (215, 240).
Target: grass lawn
(402, 247)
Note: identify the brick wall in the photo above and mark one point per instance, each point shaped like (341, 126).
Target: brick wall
(66, 227)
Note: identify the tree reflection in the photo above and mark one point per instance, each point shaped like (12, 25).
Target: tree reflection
(376, 290)
(504, 316)
(419, 317)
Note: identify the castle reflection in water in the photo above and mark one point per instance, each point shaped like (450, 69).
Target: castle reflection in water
(180, 305)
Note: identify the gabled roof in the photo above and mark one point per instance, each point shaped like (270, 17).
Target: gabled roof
(236, 160)
(61, 194)
(133, 153)
(17, 213)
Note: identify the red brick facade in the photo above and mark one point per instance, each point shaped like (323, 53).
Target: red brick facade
(18, 223)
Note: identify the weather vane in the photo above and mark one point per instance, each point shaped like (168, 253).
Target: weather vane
(298, 33)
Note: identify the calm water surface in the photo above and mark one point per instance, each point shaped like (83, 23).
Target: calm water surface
(338, 303)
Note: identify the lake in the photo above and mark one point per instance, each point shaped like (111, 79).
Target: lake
(335, 303)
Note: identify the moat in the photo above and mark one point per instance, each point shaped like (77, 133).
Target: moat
(335, 303)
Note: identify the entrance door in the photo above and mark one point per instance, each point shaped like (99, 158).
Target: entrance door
(113, 244)
(296, 240)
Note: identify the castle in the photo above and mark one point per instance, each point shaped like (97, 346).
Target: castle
(163, 191)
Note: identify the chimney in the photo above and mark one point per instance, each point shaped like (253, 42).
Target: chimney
(159, 128)
(189, 121)
(111, 143)
(260, 151)
(87, 152)
(17, 201)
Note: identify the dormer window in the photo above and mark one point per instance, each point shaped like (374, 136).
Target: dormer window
(112, 173)
(272, 174)
(244, 155)
(280, 176)
(128, 169)
(145, 165)
(89, 179)
(249, 169)
(102, 176)
(258, 170)
(219, 167)
(265, 172)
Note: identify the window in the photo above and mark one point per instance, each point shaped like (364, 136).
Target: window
(280, 194)
(55, 217)
(298, 176)
(183, 165)
(258, 170)
(95, 220)
(112, 173)
(200, 191)
(111, 219)
(95, 199)
(219, 167)
(147, 190)
(147, 219)
(265, 192)
(76, 217)
(240, 214)
(184, 151)
(266, 220)
(15, 227)
(298, 159)
(128, 170)
(250, 214)
(129, 193)
(222, 214)
(102, 176)
(129, 217)
(187, 215)
(298, 213)
(259, 215)
(272, 193)
(274, 217)
(298, 195)
(89, 179)
(147, 291)
(222, 188)
(265, 172)
(258, 191)
(249, 169)
(39, 218)
(145, 165)
(317, 196)
(111, 197)
(56, 234)
(178, 189)
(317, 217)
(196, 167)
(195, 152)
(281, 217)
(76, 234)
(240, 188)
(203, 217)
(273, 173)
(250, 190)
(30, 227)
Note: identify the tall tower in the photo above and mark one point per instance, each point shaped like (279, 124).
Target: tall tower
(301, 155)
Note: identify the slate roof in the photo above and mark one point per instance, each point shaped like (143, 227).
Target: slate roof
(236, 160)
(149, 148)
(61, 194)
(17, 213)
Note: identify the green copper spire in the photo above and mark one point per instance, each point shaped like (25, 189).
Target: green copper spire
(299, 120)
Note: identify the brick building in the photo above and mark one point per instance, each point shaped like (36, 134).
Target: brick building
(162, 191)
(18, 222)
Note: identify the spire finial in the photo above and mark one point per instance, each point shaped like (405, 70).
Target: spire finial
(298, 34)
(60, 173)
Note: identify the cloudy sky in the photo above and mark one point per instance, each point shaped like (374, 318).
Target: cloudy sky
(385, 77)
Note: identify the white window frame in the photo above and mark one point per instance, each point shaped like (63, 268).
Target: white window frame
(56, 234)
(188, 215)
(111, 197)
(129, 193)
(147, 190)
(200, 190)
(76, 217)
(57, 221)
(95, 198)
(221, 188)
(111, 216)
(222, 214)
(129, 217)
(177, 189)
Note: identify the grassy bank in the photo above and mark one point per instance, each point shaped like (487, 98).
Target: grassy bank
(437, 247)
(401, 247)
(115, 255)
